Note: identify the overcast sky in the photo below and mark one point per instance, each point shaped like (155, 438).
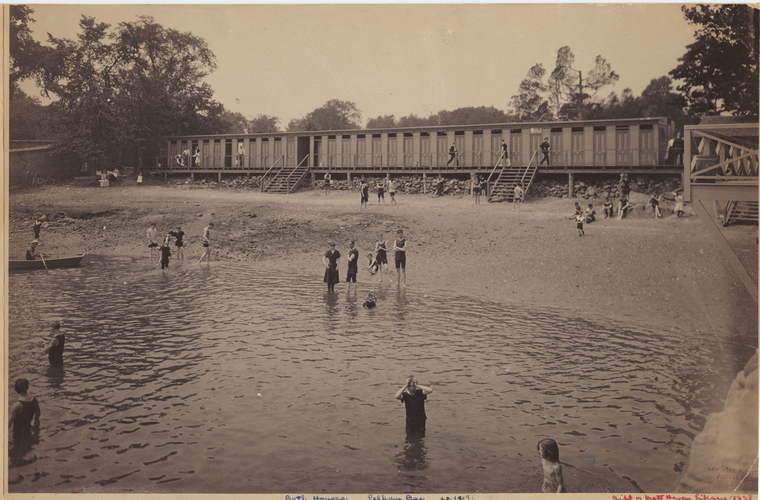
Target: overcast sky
(287, 60)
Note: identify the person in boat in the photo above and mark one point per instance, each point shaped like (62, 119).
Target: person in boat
(54, 349)
(31, 253)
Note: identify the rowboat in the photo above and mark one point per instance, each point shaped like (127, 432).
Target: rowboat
(51, 261)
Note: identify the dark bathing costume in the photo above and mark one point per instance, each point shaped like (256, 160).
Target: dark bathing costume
(331, 273)
(401, 256)
(415, 410)
(55, 355)
(178, 235)
(381, 257)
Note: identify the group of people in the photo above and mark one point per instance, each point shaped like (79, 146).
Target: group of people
(376, 264)
(164, 249)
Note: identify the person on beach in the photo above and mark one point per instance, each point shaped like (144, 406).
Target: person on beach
(576, 211)
(381, 258)
(654, 200)
(453, 154)
(589, 215)
(624, 185)
(519, 196)
(24, 421)
(372, 265)
(413, 396)
(31, 252)
(370, 302)
(364, 192)
(152, 234)
(328, 182)
(678, 197)
(438, 186)
(549, 453)
(381, 192)
(166, 252)
(179, 234)
(579, 224)
(607, 207)
(623, 205)
(400, 246)
(483, 187)
(391, 189)
(205, 242)
(353, 266)
(54, 349)
(38, 225)
(330, 260)
(476, 189)
(139, 179)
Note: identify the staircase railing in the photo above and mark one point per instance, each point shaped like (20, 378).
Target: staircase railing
(263, 187)
(287, 179)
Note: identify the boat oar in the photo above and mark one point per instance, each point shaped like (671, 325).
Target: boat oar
(44, 263)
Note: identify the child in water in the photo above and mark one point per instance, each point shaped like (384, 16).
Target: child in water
(165, 253)
(549, 453)
(371, 301)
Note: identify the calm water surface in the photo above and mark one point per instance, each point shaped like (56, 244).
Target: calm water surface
(227, 379)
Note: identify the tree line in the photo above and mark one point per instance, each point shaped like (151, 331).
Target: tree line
(117, 92)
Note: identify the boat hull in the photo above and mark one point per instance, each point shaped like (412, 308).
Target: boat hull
(54, 261)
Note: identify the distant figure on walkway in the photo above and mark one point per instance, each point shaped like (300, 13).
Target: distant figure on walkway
(24, 420)
(545, 148)
(608, 208)
(205, 240)
(332, 276)
(518, 197)
(505, 154)
(392, 189)
(197, 157)
(54, 349)
(453, 154)
(399, 246)
(675, 150)
(413, 396)
(549, 453)
(152, 234)
(353, 266)
(179, 234)
(166, 252)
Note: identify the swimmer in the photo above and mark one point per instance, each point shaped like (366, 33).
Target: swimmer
(549, 453)
(371, 301)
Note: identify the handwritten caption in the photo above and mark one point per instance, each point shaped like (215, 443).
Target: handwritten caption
(696, 496)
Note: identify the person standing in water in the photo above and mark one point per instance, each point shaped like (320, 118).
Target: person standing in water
(381, 257)
(54, 349)
(353, 266)
(399, 246)
(330, 260)
(205, 241)
(24, 420)
(166, 252)
(152, 235)
(549, 453)
(178, 235)
(413, 396)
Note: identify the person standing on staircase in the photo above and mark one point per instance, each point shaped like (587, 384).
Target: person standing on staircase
(504, 154)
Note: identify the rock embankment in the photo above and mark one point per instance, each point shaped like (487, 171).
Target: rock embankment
(723, 456)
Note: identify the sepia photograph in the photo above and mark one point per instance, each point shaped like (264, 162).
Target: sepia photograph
(548, 284)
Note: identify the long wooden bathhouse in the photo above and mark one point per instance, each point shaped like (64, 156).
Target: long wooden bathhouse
(289, 159)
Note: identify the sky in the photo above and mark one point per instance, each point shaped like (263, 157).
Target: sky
(394, 59)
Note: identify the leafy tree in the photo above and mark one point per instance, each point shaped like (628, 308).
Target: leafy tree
(387, 121)
(25, 52)
(28, 119)
(570, 90)
(263, 124)
(469, 116)
(720, 70)
(123, 91)
(530, 103)
(334, 115)
(413, 121)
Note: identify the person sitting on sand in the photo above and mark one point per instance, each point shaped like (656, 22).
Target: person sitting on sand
(590, 214)
(608, 210)
(372, 265)
(623, 206)
(370, 302)
(31, 253)
(549, 453)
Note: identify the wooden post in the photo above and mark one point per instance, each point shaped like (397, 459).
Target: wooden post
(192, 177)
(220, 177)
(424, 182)
(570, 189)
(348, 178)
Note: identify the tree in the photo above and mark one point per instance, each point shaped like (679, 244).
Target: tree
(720, 70)
(530, 103)
(123, 91)
(387, 121)
(569, 90)
(28, 119)
(334, 115)
(25, 52)
(263, 124)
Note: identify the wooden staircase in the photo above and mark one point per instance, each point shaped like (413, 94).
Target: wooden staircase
(510, 176)
(744, 211)
(287, 179)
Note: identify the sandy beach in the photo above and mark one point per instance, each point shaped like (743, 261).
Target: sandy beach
(663, 272)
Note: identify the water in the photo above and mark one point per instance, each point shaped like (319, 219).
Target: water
(229, 379)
